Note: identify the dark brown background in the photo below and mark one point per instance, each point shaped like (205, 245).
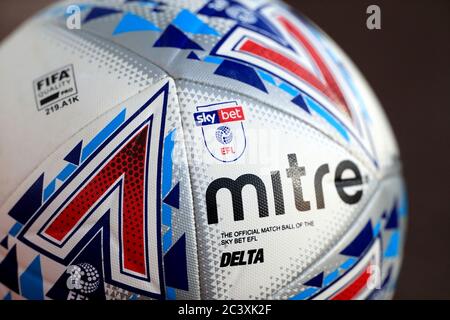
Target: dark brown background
(407, 63)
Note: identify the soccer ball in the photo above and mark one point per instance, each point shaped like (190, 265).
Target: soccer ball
(193, 149)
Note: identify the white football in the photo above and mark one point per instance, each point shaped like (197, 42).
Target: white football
(193, 149)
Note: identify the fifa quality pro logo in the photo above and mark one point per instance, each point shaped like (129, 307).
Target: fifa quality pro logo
(223, 130)
(56, 90)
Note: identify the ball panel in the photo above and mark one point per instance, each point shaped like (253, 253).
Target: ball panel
(269, 131)
(296, 220)
(98, 74)
(82, 211)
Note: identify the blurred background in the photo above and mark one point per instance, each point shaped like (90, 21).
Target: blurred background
(407, 63)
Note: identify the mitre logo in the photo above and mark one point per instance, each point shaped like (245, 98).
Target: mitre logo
(347, 175)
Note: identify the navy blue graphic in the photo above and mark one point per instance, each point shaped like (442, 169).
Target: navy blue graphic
(193, 56)
(175, 265)
(175, 38)
(392, 222)
(4, 242)
(240, 72)
(189, 22)
(133, 23)
(360, 243)
(299, 101)
(74, 156)
(98, 12)
(173, 198)
(8, 271)
(317, 281)
(29, 202)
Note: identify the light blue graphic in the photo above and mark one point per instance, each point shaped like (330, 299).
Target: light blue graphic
(103, 135)
(189, 22)
(376, 229)
(393, 246)
(31, 284)
(133, 23)
(289, 89)
(211, 59)
(49, 190)
(169, 145)
(304, 294)
(348, 263)
(170, 293)
(403, 208)
(167, 237)
(266, 77)
(330, 278)
(66, 172)
(15, 229)
(327, 116)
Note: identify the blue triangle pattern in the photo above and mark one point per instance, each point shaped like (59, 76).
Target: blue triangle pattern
(393, 247)
(240, 72)
(74, 156)
(29, 203)
(143, 1)
(15, 229)
(8, 296)
(9, 269)
(133, 23)
(317, 281)
(98, 12)
(175, 265)
(175, 38)
(193, 56)
(31, 283)
(4, 242)
(267, 77)
(189, 22)
(360, 243)
(299, 101)
(392, 222)
(173, 198)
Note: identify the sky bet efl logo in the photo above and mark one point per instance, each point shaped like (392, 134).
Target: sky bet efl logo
(223, 130)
